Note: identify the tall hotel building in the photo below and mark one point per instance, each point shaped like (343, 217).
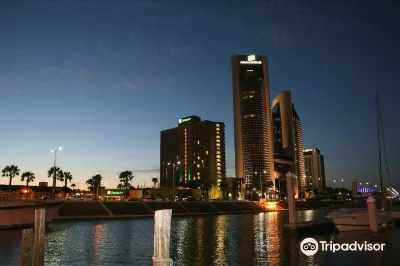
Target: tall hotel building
(288, 140)
(252, 119)
(315, 169)
(197, 149)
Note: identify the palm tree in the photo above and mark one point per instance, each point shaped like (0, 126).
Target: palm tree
(28, 177)
(67, 177)
(155, 181)
(224, 187)
(73, 186)
(241, 182)
(10, 171)
(94, 183)
(59, 173)
(124, 179)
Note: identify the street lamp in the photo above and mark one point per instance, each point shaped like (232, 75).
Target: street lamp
(254, 189)
(53, 189)
(342, 185)
(261, 190)
(173, 179)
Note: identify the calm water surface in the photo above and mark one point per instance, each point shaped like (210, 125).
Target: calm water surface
(240, 239)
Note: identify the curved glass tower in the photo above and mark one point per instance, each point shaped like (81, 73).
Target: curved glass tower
(252, 119)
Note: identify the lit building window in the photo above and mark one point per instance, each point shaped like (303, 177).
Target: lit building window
(218, 156)
(217, 137)
(194, 162)
(217, 152)
(198, 157)
(206, 152)
(217, 125)
(198, 165)
(217, 129)
(218, 144)
(218, 168)
(218, 164)
(198, 173)
(217, 140)
(253, 115)
(198, 142)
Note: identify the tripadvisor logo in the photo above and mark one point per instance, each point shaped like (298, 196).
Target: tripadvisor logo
(310, 246)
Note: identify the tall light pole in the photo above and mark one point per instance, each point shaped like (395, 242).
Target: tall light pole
(261, 190)
(342, 185)
(53, 189)
(173, 179)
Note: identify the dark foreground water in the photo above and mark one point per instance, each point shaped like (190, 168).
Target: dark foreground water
(242, 239)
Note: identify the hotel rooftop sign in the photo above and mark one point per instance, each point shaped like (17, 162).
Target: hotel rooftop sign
(251, 60)
(183, 120)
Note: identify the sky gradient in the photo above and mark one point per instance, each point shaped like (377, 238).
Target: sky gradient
(103, 78)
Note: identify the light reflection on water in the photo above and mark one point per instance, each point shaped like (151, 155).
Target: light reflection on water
(243, 239)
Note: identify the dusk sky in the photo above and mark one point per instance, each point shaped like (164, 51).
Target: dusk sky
(103, 78)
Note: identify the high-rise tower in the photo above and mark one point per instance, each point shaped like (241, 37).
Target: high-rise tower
(288, 139)
(193, 151)
(252, 119)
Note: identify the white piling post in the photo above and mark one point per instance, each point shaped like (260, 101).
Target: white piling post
(162, 232)
(372, 214)
(290, 197)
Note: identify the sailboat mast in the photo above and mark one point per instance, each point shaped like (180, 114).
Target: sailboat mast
(384, 150)
(379, 140)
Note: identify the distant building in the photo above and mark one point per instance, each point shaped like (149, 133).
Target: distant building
(252, 119)
(315, 169)
(193, 151)
(288, 140)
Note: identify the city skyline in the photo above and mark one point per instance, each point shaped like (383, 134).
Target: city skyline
(98, 84)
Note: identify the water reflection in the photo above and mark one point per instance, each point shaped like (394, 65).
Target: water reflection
(200, 239)
(273, 239)
(221, 232)
(243, 239)
(97, 241)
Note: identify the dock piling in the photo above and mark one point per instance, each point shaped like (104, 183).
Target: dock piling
(373, 221)
(162, 232)
(39, 237)
(26, 247)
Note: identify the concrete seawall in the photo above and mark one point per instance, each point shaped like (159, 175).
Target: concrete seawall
(80, 210)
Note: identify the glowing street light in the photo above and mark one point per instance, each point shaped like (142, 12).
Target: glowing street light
(173, 178)
(53, 189)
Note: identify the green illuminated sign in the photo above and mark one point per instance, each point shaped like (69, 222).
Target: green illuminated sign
(115, 192)
(182, 120)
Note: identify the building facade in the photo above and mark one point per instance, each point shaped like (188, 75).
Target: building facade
(252, 119)
(315, 169)
(193, 151)
(288, 141)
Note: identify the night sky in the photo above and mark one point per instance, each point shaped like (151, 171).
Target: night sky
(102, 79)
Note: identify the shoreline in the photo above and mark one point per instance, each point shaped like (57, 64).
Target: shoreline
(95, 210)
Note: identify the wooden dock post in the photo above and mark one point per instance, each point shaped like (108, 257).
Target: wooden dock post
(40, 230)
(26, 247)
(373, 219)
(290, 198)
(162, 232)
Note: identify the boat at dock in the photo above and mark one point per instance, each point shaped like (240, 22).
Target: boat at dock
(358, 219)
(354, 219)
(21, 214)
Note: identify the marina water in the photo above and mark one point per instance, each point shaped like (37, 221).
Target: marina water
(239, 239)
